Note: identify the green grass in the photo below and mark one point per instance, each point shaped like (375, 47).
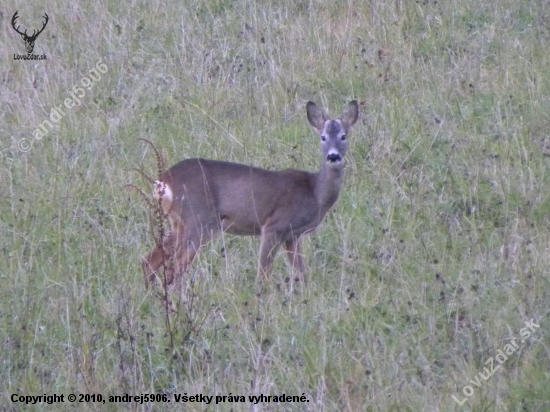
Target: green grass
(432, 260)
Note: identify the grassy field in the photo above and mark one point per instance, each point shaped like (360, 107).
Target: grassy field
(421, 278)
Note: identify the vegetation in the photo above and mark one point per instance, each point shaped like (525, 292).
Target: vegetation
(431, 262)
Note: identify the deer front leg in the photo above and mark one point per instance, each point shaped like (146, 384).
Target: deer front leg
(294, 255)
(268, 248)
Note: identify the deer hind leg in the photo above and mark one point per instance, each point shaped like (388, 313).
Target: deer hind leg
(163, 255)
(160, 257)
(186, 249)
(295, 257)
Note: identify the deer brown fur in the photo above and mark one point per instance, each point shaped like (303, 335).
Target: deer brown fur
(204, 197)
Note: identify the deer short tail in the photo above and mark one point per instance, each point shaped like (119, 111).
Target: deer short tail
(163, 193)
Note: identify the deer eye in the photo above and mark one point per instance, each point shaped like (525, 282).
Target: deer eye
(323, 138)
(343, 137)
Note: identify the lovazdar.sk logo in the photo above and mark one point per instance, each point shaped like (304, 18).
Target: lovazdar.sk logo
(29, 39)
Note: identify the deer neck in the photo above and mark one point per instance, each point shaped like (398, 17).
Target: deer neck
(327, 187)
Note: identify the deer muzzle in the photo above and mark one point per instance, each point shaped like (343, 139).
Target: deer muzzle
(334, 157)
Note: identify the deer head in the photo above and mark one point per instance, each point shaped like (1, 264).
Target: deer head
(29, 40)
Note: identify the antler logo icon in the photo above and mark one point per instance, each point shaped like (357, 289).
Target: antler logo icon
(29, 40)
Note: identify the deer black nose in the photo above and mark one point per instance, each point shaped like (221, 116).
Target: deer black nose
(334, 157)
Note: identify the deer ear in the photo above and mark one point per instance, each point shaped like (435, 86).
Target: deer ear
(315, 116)
(350, 114)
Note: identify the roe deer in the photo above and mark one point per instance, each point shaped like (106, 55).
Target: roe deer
(203, 197)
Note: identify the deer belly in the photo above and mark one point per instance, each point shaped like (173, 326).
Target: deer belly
(241, 227)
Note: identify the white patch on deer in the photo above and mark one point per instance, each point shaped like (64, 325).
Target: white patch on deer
(161, 189)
